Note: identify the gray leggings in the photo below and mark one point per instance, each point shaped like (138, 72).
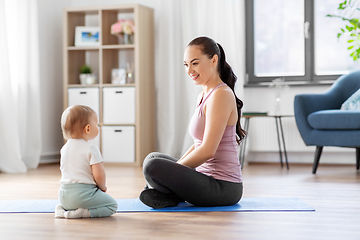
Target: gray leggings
(165, 175)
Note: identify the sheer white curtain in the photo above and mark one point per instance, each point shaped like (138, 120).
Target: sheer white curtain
(20, 136)
(177, 23)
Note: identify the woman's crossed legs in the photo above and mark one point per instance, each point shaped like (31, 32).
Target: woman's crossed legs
(173, 182)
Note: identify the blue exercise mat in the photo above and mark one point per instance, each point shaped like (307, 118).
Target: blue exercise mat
(135, 205)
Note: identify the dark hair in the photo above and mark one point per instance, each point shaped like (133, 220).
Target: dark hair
(210, 48)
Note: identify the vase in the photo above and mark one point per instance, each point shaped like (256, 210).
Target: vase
(91, 79)
(87, 79)
(277, 109)
(277, 105)
(130, 77)
(82, 78)
(127, 39)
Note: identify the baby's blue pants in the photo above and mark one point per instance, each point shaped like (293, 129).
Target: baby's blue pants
(80, 195)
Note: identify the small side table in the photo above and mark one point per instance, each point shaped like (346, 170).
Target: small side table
(279, 131)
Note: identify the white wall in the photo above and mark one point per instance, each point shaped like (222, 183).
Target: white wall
(255, 99)
(50, 30)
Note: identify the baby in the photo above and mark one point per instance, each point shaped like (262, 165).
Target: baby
(83, 191)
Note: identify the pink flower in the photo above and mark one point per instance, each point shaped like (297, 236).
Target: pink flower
(116, 28)
(123, 26)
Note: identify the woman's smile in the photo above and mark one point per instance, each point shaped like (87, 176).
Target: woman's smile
(194, 77)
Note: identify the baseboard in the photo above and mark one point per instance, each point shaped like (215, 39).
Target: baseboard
(302, 157)
(49, 157)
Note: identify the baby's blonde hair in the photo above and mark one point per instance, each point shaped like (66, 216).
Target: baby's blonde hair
(74, 119)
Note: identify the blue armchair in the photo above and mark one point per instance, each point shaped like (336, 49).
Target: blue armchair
(321, 122)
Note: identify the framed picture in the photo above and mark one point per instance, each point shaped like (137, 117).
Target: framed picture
(87, 36)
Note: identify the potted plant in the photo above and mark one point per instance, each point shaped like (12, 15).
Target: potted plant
(86, 76)
(346, 11)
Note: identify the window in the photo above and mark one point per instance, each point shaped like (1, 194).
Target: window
(295, 40)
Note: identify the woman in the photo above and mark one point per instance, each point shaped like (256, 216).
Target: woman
(209, 172)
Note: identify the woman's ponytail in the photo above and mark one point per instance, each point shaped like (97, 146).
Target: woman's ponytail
(227, 76)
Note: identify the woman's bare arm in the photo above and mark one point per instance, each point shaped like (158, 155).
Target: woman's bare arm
(188, 151)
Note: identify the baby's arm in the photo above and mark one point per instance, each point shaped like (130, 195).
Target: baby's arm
(98, 172)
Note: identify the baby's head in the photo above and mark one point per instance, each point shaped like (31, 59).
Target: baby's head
(75, 119)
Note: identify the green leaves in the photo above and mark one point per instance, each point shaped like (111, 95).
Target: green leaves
(344, 5)
(355, 54)
(352, 29)
(349, 28)
(85, 69)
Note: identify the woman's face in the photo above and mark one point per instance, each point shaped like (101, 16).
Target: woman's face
(198, 65)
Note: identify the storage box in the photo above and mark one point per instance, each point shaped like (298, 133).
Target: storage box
(119, 105)
(118, 143)
(84, 96)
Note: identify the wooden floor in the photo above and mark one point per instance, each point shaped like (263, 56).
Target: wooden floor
(334, 192)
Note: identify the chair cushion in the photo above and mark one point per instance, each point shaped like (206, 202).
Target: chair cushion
(353, 102)
(335, 119)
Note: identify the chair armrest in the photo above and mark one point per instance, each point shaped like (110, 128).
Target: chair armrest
(309, 103)
(305, 104)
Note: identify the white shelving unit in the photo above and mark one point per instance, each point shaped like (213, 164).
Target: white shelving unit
(126, 111)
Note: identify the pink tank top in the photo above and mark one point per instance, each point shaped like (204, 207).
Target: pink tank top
(225, 163)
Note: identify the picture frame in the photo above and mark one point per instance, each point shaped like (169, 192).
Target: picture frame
(87, 36)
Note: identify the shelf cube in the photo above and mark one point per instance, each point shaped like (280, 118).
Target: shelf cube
(84, 96)
(119, 105)
(118, 143)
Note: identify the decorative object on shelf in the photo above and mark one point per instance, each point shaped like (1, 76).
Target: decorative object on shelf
(118, 76)
(87, 36)
(130, 73)
(127, 39)
(86, 76)
(279, 84)
(349, 11)
(124, 28)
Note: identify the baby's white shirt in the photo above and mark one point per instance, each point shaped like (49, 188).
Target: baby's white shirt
(77, 156)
